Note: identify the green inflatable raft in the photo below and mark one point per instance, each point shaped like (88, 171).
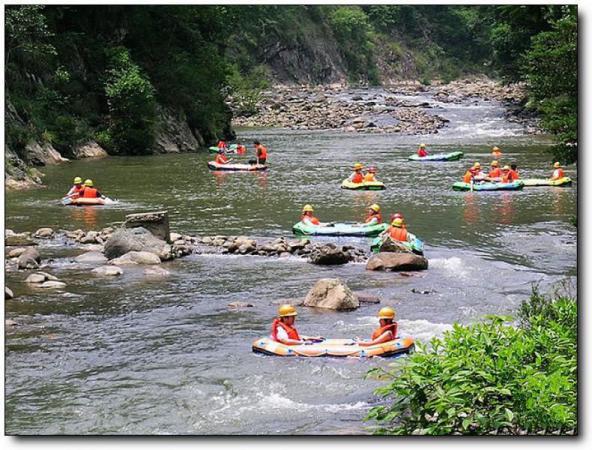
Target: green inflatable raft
(363, 186)
(231, 149)
(460, 186)
(339, 229)
(532, 182)
(453, 156)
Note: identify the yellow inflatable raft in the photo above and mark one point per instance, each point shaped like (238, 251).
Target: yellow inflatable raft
(363, 186)
(334, 347)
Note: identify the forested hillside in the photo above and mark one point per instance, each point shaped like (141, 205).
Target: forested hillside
(145, 79)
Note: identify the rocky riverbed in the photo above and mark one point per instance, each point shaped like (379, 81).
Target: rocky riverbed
(336, 106)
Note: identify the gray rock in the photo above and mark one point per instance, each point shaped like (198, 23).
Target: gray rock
(240, 305)
(35, 278)
(107, 271)
(397, 262)
(91, 258)
(175, 237)
(331, 293)
(367, 298)
(52, 285)
(90, 150)
(329, 254)
(44, 233)
(138, 239)
(30, 259)
(156, 222)
(16, 252)
(18, 240)
(90, 237)
(133, 257)
(10, 323)
(8, 294)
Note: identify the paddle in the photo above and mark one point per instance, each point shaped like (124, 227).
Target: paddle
(472, 184)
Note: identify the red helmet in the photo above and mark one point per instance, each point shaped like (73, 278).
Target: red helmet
(396, 216)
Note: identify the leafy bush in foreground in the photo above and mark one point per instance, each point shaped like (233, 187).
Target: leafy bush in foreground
(490, 378)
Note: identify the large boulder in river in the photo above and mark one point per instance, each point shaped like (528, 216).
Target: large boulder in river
(397, 262)
(91, 258)
(331, 293)
(157, 222)
(29, 259)
(127, 240)
(329, 254)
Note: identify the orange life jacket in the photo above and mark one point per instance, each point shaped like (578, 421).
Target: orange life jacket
(513, 175)
(374, 216)
(240, 149)
(357, 177)
(292, 332)
(369, 177)
(381, 330)
(558, 173)
(90, 192)
(421, 152)
(261, 152)
(221, 144)
(495, 173)
(468, 176)
(398, 234)
(78, 190)
(221, 159)
(312, 219)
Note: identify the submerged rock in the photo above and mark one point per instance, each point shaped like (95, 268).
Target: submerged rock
(136, 258)
(35, 278)
(91, 258)
(397, 262)
(331, 293)
(156, 272)
(240, 305)
(107, 271)
(52, 285)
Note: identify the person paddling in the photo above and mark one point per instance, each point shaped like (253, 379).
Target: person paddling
(307, 216)
(76, 190)
(371, 175)
(387, 331)
(90, 191)
(374, 217)
(357, 176)
(284, 331)
(514, 172)
(473, 174)
(397, 231)
(421, 151)
(260, 152)
(495, 173)
(240, 149)
(496, 152)
(221, 158)
(558, 172)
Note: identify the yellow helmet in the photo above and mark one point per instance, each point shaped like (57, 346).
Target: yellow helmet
(77, 180)
(422, 145)
(495, 149)
(88, 183)
(287, 311)
(358, 166)
(557, 165)
(494, 163)
(477, 165)
(398, 222)
(387, 313)
(506, 168)
(307, 208)
(375, 207)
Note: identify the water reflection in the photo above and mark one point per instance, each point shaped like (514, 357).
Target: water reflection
(504, 209)
(470, 209)
(85, 214)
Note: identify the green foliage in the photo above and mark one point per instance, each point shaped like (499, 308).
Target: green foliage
(132, 108)
(27, 33)
(246, 89)
(490, 377)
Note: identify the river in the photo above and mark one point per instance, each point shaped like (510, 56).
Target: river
(137, 356)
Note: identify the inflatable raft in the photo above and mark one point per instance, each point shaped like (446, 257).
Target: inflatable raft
(231, 149)
(364, 186)
(67, 201)
(453, 156)
(415, 245)
(531, 182)
(334, 347)
(460, 186)
(236, 167)
(339, 229)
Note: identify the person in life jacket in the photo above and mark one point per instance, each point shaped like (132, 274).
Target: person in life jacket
(357, 176)
(260, 153)
(558, 172)
(397, 231)
(387, 331)
(222, 145)
(514, 172)
(506, 174)
(495, 171)
(370, 176)
(76, 190)
(89, 191)
(474, 173)
(421, 151)
(240, 149)
(374, 217)
(398, 216)
(307, 216)
(496, 152)
(221, 158)
(284, 331)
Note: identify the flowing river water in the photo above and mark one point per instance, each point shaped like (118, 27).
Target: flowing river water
(132, 355)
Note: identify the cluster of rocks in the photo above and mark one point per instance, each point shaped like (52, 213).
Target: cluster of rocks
(482, 88)
(324, 107)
